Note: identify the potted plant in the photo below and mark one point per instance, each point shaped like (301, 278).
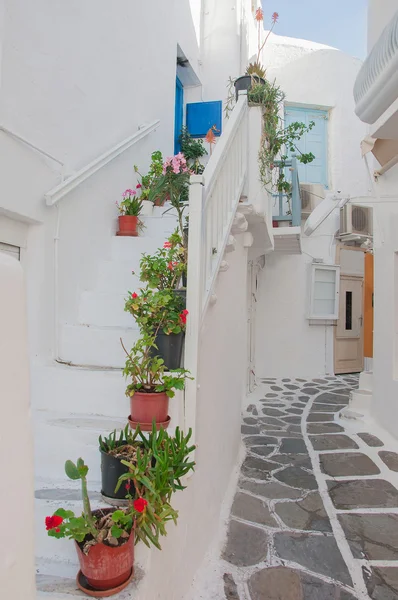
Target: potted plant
(129, 209)
(161, 313)
(255, 72)
(104, 539)
(148, 181)
(193, 150)
(173, 186)
(151, 386)
(166, 269)
(136, 448)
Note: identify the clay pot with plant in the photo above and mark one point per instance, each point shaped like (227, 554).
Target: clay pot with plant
(129, 211)
(104, 539)
(151, 385)
(120, 449)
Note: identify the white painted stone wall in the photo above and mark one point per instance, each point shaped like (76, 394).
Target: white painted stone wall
(17, 553)
(385, 350)
(320, 77)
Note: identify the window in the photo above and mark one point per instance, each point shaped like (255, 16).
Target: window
(314, 141)
(348, 311)
(324, 292)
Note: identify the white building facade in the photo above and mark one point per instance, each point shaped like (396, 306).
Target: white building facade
(376, 96)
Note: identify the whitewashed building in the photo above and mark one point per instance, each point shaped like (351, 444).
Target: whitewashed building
(87, 91)
(376, 98)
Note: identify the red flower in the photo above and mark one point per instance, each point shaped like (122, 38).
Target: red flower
(128, 486)
(259, 14)
(275, 17)
(140, 504)
(134, 295)
(183, 316)
(167, 245)
(138, 186)
(53, 523)
(170, 266)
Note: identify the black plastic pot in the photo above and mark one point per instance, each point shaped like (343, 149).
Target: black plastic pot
(182, 292)
(111, 470)
(245, 83)
(169, 348)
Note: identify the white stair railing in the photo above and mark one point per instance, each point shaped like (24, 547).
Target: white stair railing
(213, 200)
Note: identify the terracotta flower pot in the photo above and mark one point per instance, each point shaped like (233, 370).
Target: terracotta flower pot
(144, 408)
(107, 567)
(128, 225)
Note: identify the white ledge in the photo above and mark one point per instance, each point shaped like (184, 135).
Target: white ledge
(376, 86)
(64, 188)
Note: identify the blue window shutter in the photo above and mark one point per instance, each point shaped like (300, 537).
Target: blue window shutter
(201, 116)
(314, 141)
(179, 115)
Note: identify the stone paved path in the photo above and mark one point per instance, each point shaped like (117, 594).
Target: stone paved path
(315, 516)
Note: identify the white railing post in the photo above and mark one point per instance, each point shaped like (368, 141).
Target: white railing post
(194, 298)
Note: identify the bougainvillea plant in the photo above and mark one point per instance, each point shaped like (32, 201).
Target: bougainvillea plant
(164, 269)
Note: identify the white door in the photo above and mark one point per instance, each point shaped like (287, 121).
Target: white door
(349, 331)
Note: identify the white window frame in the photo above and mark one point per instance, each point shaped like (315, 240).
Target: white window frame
(327, 317)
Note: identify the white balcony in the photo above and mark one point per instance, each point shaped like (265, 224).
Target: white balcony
(376, 87)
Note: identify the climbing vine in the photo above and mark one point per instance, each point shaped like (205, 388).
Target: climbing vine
(277, 138)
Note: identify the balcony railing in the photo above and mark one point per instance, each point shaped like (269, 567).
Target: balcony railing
(288, 206)
(376, 86)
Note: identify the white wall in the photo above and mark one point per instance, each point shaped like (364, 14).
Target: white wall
(218, 422)
(321, 77)
(17, 554)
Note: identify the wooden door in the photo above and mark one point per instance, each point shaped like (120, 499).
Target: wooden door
(349, 330)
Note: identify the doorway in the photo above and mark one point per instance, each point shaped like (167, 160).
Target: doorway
(349, 330)
(179, 115)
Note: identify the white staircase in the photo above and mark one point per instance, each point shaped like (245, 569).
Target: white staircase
(95, 339)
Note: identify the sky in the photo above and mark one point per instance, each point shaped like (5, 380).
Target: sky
(337, 23)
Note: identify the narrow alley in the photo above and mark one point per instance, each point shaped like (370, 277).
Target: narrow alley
(315, 515)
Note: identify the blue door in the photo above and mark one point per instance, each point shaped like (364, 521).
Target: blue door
(179, 115)
(314, 141)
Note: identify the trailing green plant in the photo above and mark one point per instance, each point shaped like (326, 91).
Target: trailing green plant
(149, 180)
(193, 150)
(277, 138)
(157, 310)
(148, 373)
(164, 269)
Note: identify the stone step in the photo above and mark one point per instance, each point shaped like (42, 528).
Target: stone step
(116, 275)
(104, 309)
(90, 345)
(366, 381)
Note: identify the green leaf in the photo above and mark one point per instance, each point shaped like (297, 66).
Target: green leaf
(116, 531)
(71, 470)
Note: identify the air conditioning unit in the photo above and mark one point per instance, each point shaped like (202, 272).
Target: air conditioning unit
(356, 222)
(311, 194)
